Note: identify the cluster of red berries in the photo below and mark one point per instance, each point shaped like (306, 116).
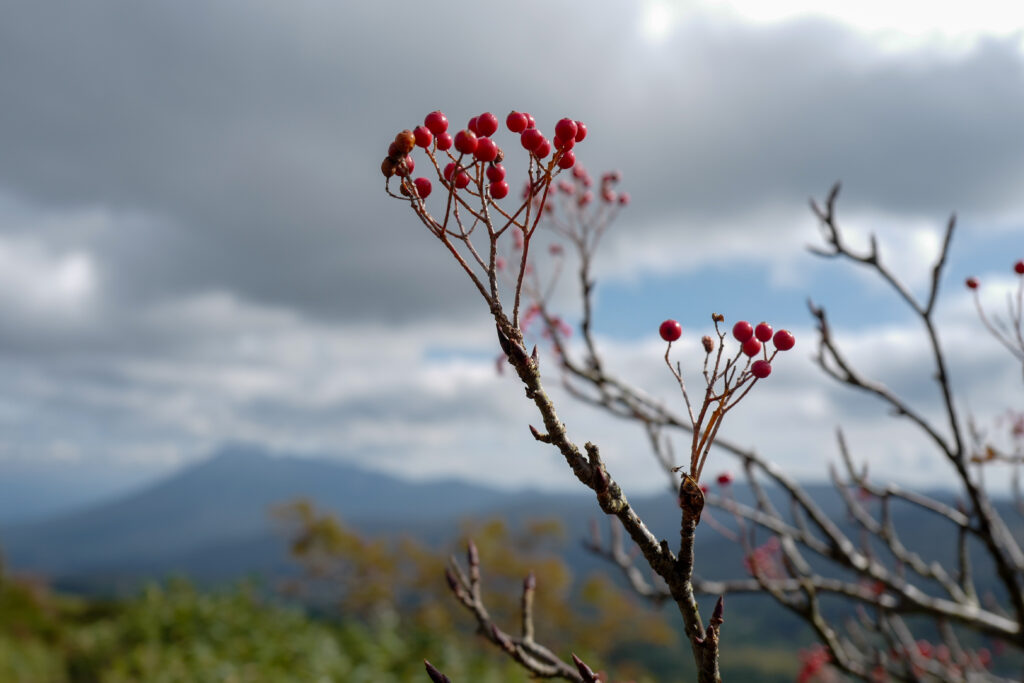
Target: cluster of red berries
(752, 338)
(475, 141)
(584, 197)
(567, 133)
(608, 196)
(1018, 268)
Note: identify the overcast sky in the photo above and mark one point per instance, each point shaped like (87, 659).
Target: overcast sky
(196, 248)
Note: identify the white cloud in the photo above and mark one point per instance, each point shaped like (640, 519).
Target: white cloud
(901, 24)
(39, 283)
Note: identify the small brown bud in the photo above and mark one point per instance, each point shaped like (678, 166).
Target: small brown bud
(719, 611)
(505, 342)
(708, 343)
(449, 576)
(405, 141)
(585, 671)
(500, 158)
(435, 675)
(387, 167)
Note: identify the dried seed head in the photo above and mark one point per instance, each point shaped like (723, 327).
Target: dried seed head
(405, 141)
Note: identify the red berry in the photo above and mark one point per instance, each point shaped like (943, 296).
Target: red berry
(444, 141)
(763, 332)
(742, 331)
(624, 199)
(751, 347)
(761, 368)
(784, 340)
(516, 121)
(461, 180)
(495, 173)
(405, 166)
(486, 124)
(607, 195)
(581, 131)
(436, 122)
(422, 187)
(486, 149)
(530, 121)
(670, 330)
(423, 136)
(561, 143)
(567, 159)
(543, 149)
(499, 190)
(724, 479)
(1018, 267)
(472, 126)
(585, 198)
(972, 283)
(465, 141)
(449, 170)
(566, 129)
(531, 139)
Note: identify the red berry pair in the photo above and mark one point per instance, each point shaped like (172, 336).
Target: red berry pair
(518, 121)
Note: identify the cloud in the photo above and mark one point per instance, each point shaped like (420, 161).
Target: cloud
(195, 246)
(46, 287)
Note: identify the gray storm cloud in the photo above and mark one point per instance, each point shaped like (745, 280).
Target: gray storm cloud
(177, 157)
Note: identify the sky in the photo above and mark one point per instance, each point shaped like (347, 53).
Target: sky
(196, 247)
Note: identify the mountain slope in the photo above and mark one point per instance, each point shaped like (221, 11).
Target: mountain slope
(227, 499)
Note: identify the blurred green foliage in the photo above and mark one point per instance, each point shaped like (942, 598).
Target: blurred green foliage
(176, 633)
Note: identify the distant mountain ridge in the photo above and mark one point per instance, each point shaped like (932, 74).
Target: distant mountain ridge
(212, 521)
(227, 500)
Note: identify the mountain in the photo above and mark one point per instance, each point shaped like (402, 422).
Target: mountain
(38, 488)
(213, 521)
(203, 516)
